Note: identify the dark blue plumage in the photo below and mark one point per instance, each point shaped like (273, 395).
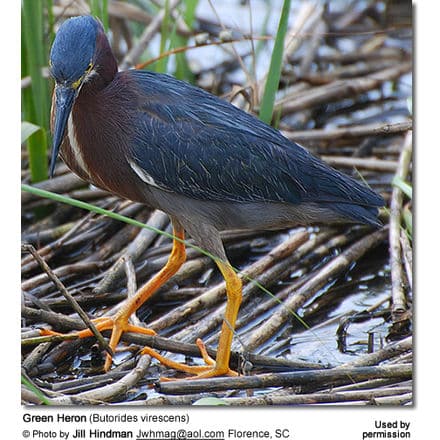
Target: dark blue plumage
(70, 58)
(220, 153)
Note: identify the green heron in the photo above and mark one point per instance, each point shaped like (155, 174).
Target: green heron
(210, 166)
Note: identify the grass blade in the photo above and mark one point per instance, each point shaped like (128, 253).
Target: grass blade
(99, 9)
(114, 215)
(27, 130)
(403, 186)
(183, 70)
(36, 99)
(274, 74)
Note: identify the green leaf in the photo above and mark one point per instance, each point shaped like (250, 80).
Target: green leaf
(274, 74)
(36, 98)
(98, 210)
(28, 129)
(99, 8)
(35, 390)
(405, 187)
(210, 401)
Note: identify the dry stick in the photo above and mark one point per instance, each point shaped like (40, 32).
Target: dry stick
(319, 252)
(28, 341)
(89, 194)
(375, 42)
(317, 26)
(78, 239)
(47, 251)
(351, 16)
(364, 397)
(234, 51)
(181, 294)
(91, 383)
(47, 235)
(298, 298)
(318, 31)
(399, 301)
(34, 357)
(168, 400)
(88, 381)
(49, 248)
(61, 271)
(340, 58)
(143, 240)
(352, 131)
(407, 255)
(134, 54)
(361, 163)
(189, 269)
(59, 320)
(74, 304)
(68, 323)
(319, 377)
(313, 398)
(28, 397)
(266, 277)
(131, 288)
(165, 344)
(312, 250)
(115, 244)
(371, 384)
(193, 350)
(340, 89)
(293, 40)
(107, 392)
(344, 72)
(84, 299)
(63, 183)
(306, 18)
(213, 295)
(395, 401)
(280, 270)
(404, 358)
(192, 266)
(385, 353)
(127, 11)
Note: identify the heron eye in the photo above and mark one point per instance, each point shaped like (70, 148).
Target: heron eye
(89, 67)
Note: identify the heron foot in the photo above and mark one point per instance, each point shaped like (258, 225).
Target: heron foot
(211, 369)
(118, 325)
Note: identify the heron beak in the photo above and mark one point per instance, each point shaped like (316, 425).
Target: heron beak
(64, 98)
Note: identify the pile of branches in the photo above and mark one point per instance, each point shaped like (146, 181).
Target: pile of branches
(344, 94)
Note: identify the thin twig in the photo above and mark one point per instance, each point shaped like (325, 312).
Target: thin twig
(134, 54)
(298, 298)
(399, 301)
(213, 295)
(385, 353)
(142, 241)
(72, 301)
(340, 89)
(351, 131)
(367, 396)
(285, 379)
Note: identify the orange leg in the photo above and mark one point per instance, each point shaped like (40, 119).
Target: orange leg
(220, 366)
(119, 323)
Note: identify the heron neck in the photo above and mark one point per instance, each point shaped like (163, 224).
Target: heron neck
(105, 62)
